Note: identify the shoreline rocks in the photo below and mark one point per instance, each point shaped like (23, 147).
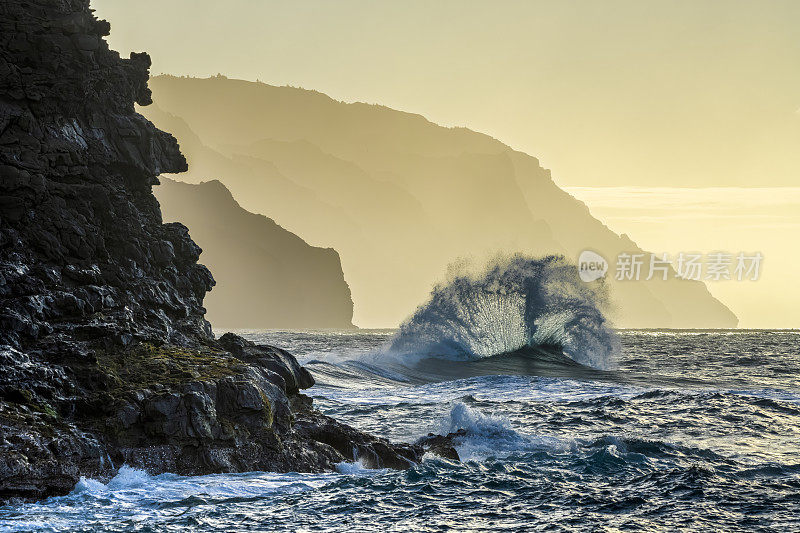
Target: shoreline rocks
(105, 355)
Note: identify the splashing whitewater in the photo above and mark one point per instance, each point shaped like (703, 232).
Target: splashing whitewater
(511, 304)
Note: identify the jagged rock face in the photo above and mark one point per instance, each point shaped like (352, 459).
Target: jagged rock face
(105, 357)
(83, 248)
(85, 261)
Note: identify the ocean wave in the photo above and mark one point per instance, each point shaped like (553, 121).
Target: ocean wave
(487, 435)
(511, 304)
(357, 468)
(127, 478)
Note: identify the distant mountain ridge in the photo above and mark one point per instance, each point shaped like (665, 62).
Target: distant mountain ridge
(266, 277)
(397, 196)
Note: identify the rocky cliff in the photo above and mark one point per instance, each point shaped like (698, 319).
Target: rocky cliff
(105, 355)
(266, 277)
(398, 196)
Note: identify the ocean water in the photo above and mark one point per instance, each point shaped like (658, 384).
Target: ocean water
(690, 430)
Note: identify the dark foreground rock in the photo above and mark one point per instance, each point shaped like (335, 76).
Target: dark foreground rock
(168, 408)
(105, 355)
(442, 445)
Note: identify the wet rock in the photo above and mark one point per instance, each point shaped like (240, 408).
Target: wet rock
(105, 355)
(281, 362)
(442, 445)
(350, 444)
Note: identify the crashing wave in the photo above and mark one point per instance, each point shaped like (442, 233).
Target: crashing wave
(512, 304)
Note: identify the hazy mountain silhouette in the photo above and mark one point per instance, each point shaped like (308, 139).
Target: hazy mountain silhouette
(266, 277)
(398, 196)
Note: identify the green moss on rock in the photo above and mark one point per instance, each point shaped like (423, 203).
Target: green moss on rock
(147, 366)
(268, 415)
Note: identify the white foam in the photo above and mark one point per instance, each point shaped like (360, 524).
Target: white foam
(357, 468)
(489, 435)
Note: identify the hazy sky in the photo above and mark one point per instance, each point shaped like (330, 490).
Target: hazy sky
(732, 220)
(669, 93)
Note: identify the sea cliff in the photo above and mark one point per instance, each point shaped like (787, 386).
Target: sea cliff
(105, 355)
(267, 277)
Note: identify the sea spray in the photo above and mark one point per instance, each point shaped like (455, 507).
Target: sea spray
(488, 435)
(512, 303)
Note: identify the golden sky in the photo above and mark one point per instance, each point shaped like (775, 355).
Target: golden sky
(708, 220)
(635, 95)
(634, 92)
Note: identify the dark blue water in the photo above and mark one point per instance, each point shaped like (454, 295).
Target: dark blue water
(687, 430)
